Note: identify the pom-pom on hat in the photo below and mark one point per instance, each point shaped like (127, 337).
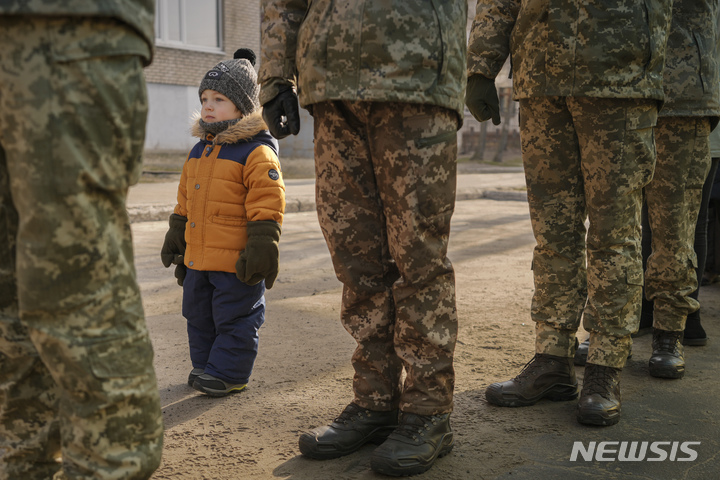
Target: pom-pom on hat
(236, 79)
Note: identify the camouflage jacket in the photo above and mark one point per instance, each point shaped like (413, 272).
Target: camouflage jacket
(400, 50)
(596, 48)
(138, 14)
(692, 79)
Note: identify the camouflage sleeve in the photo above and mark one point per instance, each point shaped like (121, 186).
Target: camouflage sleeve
(280, 25)
(272, 88)
(489, 44)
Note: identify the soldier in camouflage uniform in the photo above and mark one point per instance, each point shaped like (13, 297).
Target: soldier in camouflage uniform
(78, 393)
(588, 77)
(692, 104)
(384, 82)
(690, 82)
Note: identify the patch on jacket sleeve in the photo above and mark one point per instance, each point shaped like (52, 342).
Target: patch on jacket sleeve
(273, 174)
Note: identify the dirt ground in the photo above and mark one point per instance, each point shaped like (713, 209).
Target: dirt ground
(302, 376)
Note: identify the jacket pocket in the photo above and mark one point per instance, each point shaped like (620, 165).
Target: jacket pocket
(708, 63)
(228, 220)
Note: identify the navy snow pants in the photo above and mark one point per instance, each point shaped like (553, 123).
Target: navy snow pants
(223, 317)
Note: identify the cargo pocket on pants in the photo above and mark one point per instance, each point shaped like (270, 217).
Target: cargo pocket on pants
(119, 358)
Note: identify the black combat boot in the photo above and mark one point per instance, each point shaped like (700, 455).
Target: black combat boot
(545, 376)
(694, 332)
(600, 397)
(414, 446)
(355, 427)
(668, 357)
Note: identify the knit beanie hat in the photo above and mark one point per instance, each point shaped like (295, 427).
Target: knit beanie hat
(236, 79)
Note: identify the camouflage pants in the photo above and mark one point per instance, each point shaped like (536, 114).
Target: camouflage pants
(587, 159)
(386, 179)
(78, 393)
(673, 199)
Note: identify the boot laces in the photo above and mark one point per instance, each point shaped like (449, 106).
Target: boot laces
(350, 414)
(534, 363)
(415, 426)
(598, 380)
(666, 341)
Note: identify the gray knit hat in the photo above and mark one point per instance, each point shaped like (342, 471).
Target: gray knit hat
(236, 79)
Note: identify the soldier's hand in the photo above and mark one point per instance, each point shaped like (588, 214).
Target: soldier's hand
(482, 99)
(261, 256)
(174, 244)
(282, 114)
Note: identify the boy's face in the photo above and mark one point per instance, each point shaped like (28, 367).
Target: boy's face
(216, 107)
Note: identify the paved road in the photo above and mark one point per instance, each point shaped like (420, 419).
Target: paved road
(155, 201)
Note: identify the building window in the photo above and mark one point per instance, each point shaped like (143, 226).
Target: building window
(193, 24)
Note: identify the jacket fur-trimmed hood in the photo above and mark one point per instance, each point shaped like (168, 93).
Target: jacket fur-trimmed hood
(247, 127)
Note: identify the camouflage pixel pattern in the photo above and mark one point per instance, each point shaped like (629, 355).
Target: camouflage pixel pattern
(691, 78)
(673, 198)
(77, 386)
(391, 50)
(593, 48)
(692, 106)
(385, 191)
(587, 158)
(138, 14)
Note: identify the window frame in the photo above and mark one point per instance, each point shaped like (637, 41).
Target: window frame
(161, 20)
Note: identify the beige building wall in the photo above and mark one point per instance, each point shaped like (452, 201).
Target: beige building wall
(180, 66)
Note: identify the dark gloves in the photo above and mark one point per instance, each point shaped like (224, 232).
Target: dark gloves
(482, 99)
(180, 271)
(173, 249)
(261, 256)
(282, 114)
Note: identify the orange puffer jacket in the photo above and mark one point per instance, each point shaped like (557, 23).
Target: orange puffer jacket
(227, 181)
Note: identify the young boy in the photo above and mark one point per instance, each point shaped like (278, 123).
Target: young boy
(224, 232)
